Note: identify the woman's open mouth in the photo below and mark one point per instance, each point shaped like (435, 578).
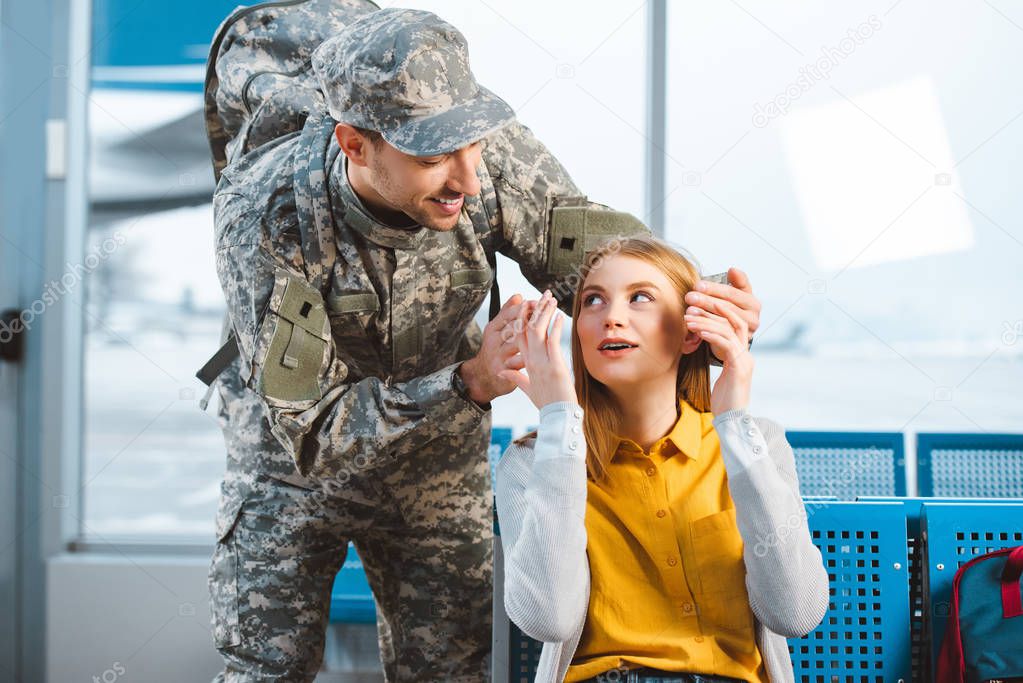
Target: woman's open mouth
(615, 348)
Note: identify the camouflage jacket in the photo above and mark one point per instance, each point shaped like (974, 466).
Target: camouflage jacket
(365, 373)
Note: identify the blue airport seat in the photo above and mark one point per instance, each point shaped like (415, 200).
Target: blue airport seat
(523, 657)
(920, 644)
(515, 655)
(865, 633)
(954, 534)
(500, 439)
(970, 465)
(849, 464)
(351, 600)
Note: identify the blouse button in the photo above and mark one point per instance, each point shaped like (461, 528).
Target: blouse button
(698, 639)
(661, 513)
(672, 561)
(574, 445)
(750, 432)
(651, 471)
(756, 449)
(575, 430)
(687, 607)
(578, 412)
(747, 419)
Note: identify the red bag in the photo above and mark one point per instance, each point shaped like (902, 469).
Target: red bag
(984, 638)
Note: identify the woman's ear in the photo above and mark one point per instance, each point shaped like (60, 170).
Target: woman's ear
(690, 341)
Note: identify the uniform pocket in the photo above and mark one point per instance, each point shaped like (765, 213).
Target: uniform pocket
(228, 511)
(470, 276)
(357, 302)
(470, 285)
(352, 320)
(292, 350)
(223, 580)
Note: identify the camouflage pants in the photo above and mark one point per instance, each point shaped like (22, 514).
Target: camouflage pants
(423, 529)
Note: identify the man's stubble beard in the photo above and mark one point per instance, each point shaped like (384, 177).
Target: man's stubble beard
(388, 189)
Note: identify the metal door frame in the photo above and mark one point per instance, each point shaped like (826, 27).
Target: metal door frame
(44, 76)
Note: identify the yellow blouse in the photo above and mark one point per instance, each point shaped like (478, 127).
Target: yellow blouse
(667, 578)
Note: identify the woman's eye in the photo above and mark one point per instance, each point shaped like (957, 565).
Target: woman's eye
(643, 294)
(588, 299)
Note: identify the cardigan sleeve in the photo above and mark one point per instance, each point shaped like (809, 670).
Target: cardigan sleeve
(785, 575)
(541, 505)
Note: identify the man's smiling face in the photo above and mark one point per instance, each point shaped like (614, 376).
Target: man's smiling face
(397, 186)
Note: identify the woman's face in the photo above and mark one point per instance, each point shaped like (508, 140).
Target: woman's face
(630, 300)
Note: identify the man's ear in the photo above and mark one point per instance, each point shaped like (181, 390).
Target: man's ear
(690, 341)
(352, 143)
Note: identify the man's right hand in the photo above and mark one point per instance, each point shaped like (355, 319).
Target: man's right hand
(548, 378)
(498, 352)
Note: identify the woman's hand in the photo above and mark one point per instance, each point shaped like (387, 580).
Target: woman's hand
(547, 378)
(728, 336)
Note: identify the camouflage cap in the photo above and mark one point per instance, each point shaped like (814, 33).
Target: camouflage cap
(405, 73)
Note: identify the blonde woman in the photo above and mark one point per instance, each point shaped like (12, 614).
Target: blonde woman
(652, 528)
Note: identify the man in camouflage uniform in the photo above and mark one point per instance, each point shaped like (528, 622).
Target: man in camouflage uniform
(364, 414)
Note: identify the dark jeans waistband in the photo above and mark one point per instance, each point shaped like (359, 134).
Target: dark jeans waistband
(648, 675)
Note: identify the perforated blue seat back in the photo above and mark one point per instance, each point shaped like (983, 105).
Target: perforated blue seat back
(970, 465)
(864, 636)
(849, 464)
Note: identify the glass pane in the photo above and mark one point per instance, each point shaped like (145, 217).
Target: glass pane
(859, 164)
(152, 459)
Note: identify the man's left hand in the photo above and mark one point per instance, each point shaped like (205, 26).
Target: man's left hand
(737, 297)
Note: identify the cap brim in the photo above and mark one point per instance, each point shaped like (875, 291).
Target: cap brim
(456, 128)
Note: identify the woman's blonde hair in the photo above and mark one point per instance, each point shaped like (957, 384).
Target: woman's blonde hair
(601, 420)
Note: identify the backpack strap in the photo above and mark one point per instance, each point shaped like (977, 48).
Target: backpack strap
(495, 289)
(1012, 605)
(215, 133)
(224, 356)
(484, 211)
(312, 199)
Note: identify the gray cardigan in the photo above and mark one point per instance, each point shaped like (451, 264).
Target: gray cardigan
(541, 504)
